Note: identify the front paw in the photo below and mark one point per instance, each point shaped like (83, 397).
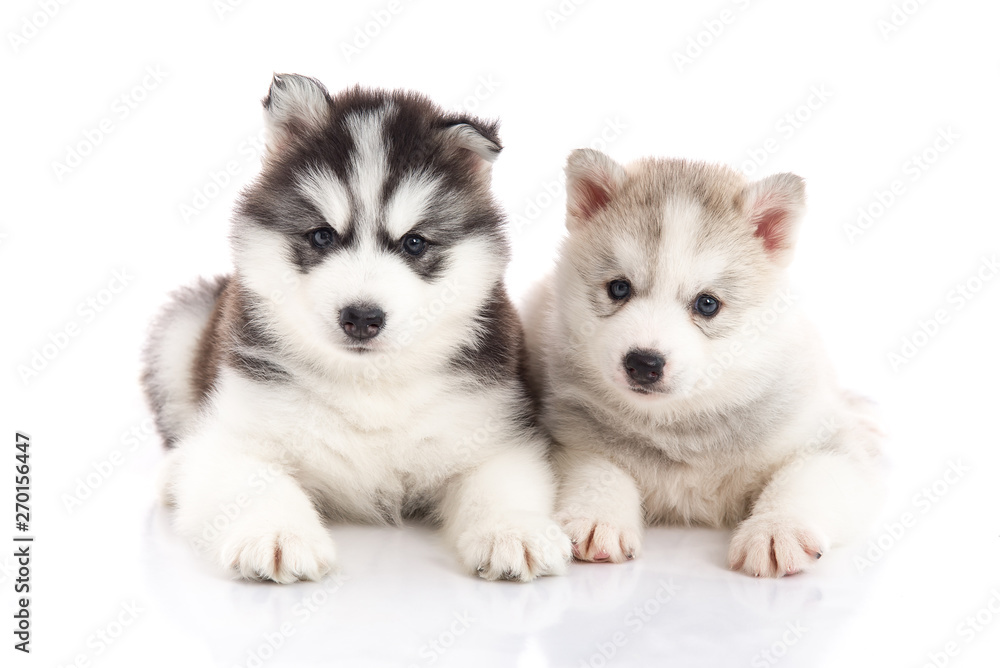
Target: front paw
(283, 554)
(519, 551)
(773, 546)
(600, 540)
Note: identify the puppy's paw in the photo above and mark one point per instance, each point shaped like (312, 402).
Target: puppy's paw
(597, 540)
(519, 551)
(773, 546)
(283, 555)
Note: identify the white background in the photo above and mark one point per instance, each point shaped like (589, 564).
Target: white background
(557, 81)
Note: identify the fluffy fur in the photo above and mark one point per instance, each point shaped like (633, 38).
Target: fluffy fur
(744, 425)
(278, 417)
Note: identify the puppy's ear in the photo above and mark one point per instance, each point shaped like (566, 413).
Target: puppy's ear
(775, 206)
(295, 107)
(476, 141)
(592, 179)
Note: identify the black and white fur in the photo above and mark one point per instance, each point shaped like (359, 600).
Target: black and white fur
(727, 416)
(283, 410)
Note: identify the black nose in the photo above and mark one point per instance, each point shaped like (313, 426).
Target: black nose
(362, 322)
(644, 367)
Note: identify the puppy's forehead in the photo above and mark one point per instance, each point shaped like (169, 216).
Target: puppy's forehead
(368, 162)
(666, 232)
(366, 195)
(718, 188)
(677, 223)
(686, 252)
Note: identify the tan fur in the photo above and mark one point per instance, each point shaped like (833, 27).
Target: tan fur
(766, 444)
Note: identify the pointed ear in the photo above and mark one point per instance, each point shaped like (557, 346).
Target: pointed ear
(775, 206)
(592, 179)
(475, 140)
(295, 106)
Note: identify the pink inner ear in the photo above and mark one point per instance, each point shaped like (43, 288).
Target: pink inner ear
(591, 197)
(771, 225)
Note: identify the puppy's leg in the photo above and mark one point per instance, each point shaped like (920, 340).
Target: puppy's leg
(813, 502)
(246, 514)
(600, 507)
(498, 516)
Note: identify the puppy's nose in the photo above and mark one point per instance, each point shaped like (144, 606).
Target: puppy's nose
(644, 367)
(362, 322)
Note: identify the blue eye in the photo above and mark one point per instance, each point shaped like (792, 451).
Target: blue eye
(619, 290)
(706, 305)
(321, 237)
(414, 244)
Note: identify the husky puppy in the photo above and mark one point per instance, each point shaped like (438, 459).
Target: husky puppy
(362, 361)
(677, 378)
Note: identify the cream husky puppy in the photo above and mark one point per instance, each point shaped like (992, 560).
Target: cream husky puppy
(362, 361)
(677, 377)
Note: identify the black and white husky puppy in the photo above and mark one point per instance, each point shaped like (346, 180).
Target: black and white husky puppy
(362, 361)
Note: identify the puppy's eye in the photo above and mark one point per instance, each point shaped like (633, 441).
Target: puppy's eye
(321, 237)
(414, 244)
(619, 290)
(706, 305)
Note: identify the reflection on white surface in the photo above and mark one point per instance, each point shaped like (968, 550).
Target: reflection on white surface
(399, 599)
